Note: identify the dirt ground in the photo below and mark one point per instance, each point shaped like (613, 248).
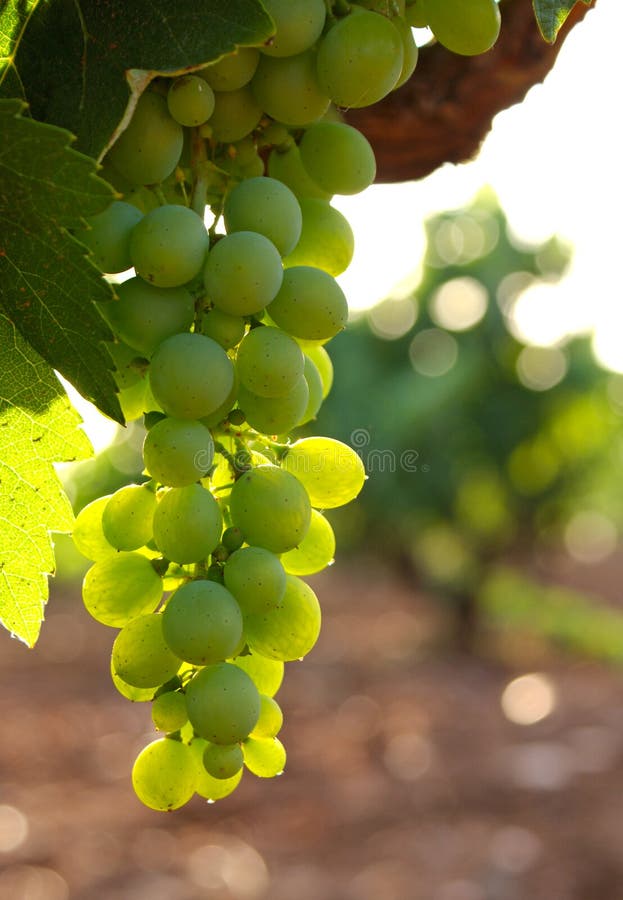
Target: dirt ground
(405, 778)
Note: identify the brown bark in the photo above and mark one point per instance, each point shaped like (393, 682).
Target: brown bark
(443, 113)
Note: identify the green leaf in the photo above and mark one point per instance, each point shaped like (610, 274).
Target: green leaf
(48, 285)
(37, 427)
(82, 65)
(551, 15)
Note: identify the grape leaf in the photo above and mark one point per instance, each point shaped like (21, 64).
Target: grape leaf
(48, 284)
(551, 15)
(37, 427)
(82, 65)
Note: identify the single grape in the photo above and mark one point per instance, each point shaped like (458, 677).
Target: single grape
(288, 631)
(270, 720)
(178, 452)
(190, 100)
(310, 304)
(108, 236)
(236, 114)
(332, 472)
(168, 711)
(338, 157)
(410, 49)
(226, 330)
(232, 539)
(266, 206)
(202, 623)
(316, 550)
(169, 245)
(187, 524)
(298, 24)
(224, 410)
(223, 703)
(140, 654)
(286, 166)
(190, 375)
(150, 147)
(266, 758)
(118, 588)
(144, 315)
(134, 694)
(127, 517)
(266, 674)
(269, 362)
(243, 273)
(207, 785)
(275, 415)
(468, 30)
(360, 59)
(88, 534)
(271, 508)
(223, 760)
(326, 242)
(322, 361)
(164, 775)
(232, 71)
(314, 387)
(287, 89)
(256, 578)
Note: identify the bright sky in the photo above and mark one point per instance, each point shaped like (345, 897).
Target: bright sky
(555, 162)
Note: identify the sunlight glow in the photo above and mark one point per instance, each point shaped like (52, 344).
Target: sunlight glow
(528, 699)
(459, 304)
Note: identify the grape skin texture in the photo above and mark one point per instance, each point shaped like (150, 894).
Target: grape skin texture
(332, 473)
(223, 704)
(243, 273)
(88, 535)
(327, 241)
(298, 23)
(256, 578)
(164, 775)
(274, 415)
(310, 304)
(150, 147)
(266, 206)
(145, 314)
(468, 30)
(168, 246)
(287, 89)
(140, 655)
(236, 113)
(202, 623)
(223, 760)
(187, 524)
(207, 785)
(232, 71)
(190, 100)
(269, 362)
(118, 588)
(316, 550)
(127, 517)
(271, 508)
(289, 631)
(267, 674)
(168, 711)
(178, 452)
(266, 758)
(108, 237)
(338, 157)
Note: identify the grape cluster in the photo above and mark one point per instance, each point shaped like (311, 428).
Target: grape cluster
(220, 347)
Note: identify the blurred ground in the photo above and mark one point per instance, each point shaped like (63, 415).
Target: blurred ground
(405, 779)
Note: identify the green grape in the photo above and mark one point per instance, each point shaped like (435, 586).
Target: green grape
(207, 785)
(127, 517)
(223, 760)
(286, 166)
(223, 703)
(164, 775)
(298, 25)
(310, 304)
(169, 245)
(338, 157)
(256, 578)
(150, 147)
(134, 694)
(232, 539)
(236, 114)
(108, 236)
(270, 720)
(190, 100)
(314, 388)
(266, 206)
(187, 524)
(288, 631)
(88, 535)
(243, 273)
(140, 655)
(226, 330)
(465, 29)
(168, 711)
(326, 242)
(118, 588)
(271, 508)
(316, 550)
(275, 415)
(266, 758)
(266, 674)
(332, 472)
(360, 59)
(216, 417)
(232, 71)
(191, 376)
(145, 314)
(287, 89)
(178, 452)
(415, 15)
(132, 400)
(130, 367)
(410, 49)
(269, 362)
(202, 623)
(322, 361)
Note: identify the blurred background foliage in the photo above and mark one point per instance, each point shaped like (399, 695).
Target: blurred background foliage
(484, 452)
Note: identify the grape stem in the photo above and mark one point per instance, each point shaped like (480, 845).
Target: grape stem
(198, 165)
(238, 467)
